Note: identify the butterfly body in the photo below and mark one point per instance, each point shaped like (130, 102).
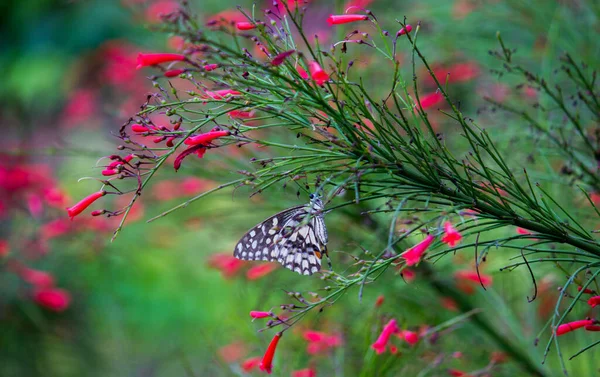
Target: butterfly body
(296, 238)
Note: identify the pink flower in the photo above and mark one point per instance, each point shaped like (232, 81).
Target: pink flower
(451, 237)
(109, 172)
(120, 161)
(241, 114)
(40, 279)
(522, 231)
(308, 372)
(174, 72)
(250, 364)
(145, 60)
(220, 94)
(160, 8)
(381, 343)
(54, 299)
(210, 67)
(266, 364)
(570, 326)
(431, 99)
(260, 271)
(459, 72)
(232, 352)
(244, 25)
(404, 30)
(319, 342)
(473, 277)
(199, 150)
(280, 58)
(84, 203)
(414, 254)
(205, 138)
(227, 264)
(139, 128)
(346, 18)
(255, 314)
(317, 73)
(302, 72)
(593, 301)
(410, 337)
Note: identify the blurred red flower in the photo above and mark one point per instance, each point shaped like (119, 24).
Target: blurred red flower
(54, 299)
(414, 254)
(232, 352)
(308, 372)
(227, 264)
(39, 279)
(160, 8)
(430, 99)
(317, 73)
(380, 344)
(451, 237)
(250, 364)
(260, 271)
(594, 301)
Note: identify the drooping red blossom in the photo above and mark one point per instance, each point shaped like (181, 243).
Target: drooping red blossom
(199, 150)
(250, 364)
(308, 372)
(139, 128)
(37, 278)
(431, 99)
(245, 25)
(109, 172)
(232, 352)
(317, 73)
(587, 290)
(570, 326)
(147, 60)
(409, 337)
(266, 364)
(220, 94)
(459, 72)
(592, 328)
(280, 58)
(404, 30)
(210, 67)
(256, 314)
(174, 72)
(379, 301)
(84, 203)
(260, 271)
(594, 301)
(54, 299)
(241, 114)
(227, 264)
(451, 236)
(205, 138)
(472, 276)
(4, 248)
(302, 72)
(414, 254)
(381, 343)
(345, 18)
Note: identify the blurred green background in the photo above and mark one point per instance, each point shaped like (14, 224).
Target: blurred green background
(152, 303)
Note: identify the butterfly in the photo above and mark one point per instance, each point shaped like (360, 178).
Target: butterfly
(296, 238)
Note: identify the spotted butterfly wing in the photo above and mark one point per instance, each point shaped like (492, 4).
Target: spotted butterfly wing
(296, 238)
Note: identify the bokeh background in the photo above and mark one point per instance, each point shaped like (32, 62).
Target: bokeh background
(163, 299)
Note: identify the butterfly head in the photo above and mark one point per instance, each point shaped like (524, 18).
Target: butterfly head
(315, 202)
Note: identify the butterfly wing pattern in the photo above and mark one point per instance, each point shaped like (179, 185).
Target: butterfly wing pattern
(296, 238)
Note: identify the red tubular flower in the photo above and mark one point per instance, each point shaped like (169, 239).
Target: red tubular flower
(345, 18)
(280, 58)
(241, 114)
(54, 299)
(404, 30)
(250, 364)
(474, 277)
(568, 327)
(145, 60)
(587, 290)
(414, 254)
(452, 236)
(84, 203)
(431, 99)
(227, 264)
(308, 372)
(379, 301)
(210, 67)
(204, 139)
(522, 231)
(410, 337)
(302, 72)
(317, 73)
(381, 343)
(220, 94)
(244, 25)
(256, 314)
(139, 128)
(40, 279)
(592, 328)
(266, 364)
(593, 301)
(125, 159)
(260, 271)
(109, 172)
(174, 72)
